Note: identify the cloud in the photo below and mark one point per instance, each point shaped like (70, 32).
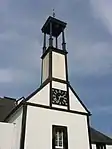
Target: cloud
(92, 59)
(16, 76)
(4, 4)
(5, 76)
(102, 10)
(97, 110)
(88, 41)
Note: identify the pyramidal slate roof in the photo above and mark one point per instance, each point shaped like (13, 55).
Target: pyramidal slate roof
(98, 137)
(6, 106)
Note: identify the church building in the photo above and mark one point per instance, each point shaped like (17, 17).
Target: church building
(53, 116)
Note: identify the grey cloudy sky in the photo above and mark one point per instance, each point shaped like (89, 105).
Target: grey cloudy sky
(89, 43)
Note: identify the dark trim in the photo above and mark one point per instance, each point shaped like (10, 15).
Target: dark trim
(22, 139)
(57, 80)
(50, 92)
(59, 51)
(60, 81)
(10, 98)
(50, 65)
(68, 97)
(65, 139)
(54, 108)
(50, 77)
(56, 41)
(89, 133)
(44, 43)
(105, 143)
(49, 49)
(59, 126)
(50, 35)
(63, 41)
(66, 67)
(79, 100)
(41, 71)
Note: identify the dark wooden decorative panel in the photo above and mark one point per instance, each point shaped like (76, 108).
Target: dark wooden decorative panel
(59, 97)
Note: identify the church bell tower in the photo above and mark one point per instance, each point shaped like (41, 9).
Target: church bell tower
(54, 62)
(56, 114)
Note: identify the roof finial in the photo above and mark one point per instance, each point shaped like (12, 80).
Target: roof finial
(53, 14)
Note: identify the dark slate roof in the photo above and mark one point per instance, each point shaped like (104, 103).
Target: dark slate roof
(6, 106)
(98, 137)
(57, 26)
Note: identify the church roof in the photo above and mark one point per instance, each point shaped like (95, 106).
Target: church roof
(57, 26)
(98, 137)
(6, 106)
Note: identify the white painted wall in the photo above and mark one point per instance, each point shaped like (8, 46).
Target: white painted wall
(74, 103)
(42, 97)
(59, 107)
(6, 135)
(58, 66)
(16, 119)
(45, 68)
(93, 146)
(108, 146)
(39, 128)
(58, 85)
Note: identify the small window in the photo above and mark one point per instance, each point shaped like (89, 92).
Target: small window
(59, 138)
(100, 146)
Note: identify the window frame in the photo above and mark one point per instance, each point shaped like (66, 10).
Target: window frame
(100, 146)
(61, 129)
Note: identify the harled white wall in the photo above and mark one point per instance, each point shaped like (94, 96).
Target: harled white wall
(59, 85)
(108, 146)
(39, 128)
(74, 103)
(42, 97)
(93, 146)
(45, 68)
(6, 135)
(58, 66)
(16, 119)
